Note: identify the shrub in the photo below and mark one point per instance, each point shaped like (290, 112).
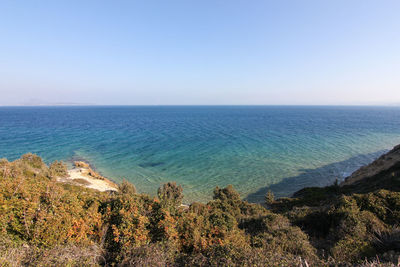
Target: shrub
(126, 188)
(58, 168)
(170, 195)
(44, 223)
(14, 254)
(227, 193)
(269, 198)
(156, 254)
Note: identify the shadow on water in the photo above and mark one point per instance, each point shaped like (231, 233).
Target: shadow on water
(322, 176)
(151, 164)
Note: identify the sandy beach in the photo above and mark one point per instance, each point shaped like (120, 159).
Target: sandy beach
(83, 175)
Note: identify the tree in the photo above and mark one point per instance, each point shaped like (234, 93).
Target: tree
(127, 188)
(170, 194)
(227, 193)
(269, 198)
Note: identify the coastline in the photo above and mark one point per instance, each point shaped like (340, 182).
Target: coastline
(306, 225)
(83, 175)
(204, 147)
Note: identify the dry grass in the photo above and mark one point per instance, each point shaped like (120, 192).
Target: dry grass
(25, 255)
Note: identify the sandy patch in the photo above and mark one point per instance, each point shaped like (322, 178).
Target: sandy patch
(83, 177)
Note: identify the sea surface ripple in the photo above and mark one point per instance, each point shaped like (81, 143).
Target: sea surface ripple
(254, 148)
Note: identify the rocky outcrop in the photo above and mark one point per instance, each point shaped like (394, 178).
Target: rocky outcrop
(82, 164)
(86, 169)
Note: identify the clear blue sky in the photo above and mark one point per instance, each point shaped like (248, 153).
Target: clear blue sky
(200, 52)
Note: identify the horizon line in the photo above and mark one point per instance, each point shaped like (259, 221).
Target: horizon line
(204, 105)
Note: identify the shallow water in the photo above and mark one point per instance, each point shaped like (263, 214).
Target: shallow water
(254, 148)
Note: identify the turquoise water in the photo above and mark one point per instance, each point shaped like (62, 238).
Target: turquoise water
(254, 148)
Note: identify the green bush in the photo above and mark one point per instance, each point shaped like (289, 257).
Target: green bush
(170, 195)
(46, 223)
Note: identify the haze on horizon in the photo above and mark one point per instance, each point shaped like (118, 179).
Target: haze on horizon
(200, 52)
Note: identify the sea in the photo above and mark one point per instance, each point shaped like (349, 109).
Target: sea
(253, 148)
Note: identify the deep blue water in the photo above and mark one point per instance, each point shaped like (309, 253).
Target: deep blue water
(254, 148)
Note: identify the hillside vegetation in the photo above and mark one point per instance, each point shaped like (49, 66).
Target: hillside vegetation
(47, 223)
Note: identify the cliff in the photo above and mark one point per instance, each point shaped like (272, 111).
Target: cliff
(383, 173)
